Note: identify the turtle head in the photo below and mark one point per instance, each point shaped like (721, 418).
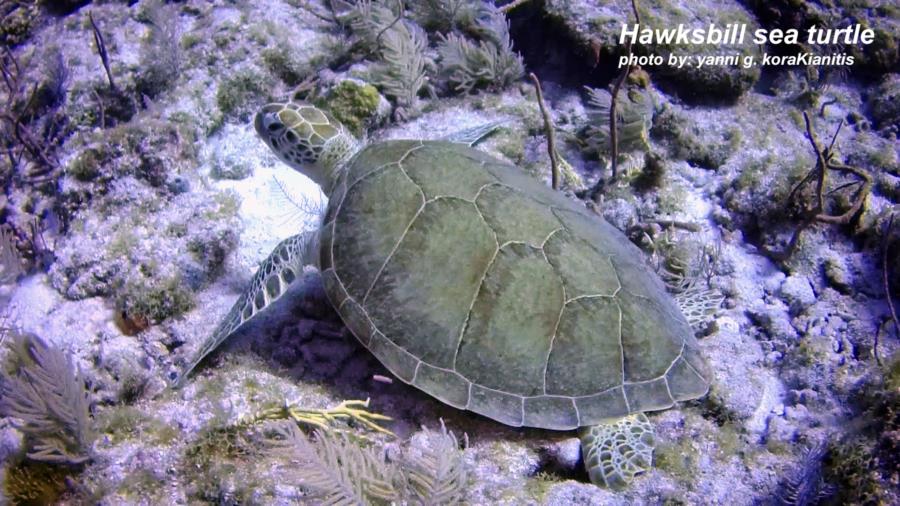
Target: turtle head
(307, 138)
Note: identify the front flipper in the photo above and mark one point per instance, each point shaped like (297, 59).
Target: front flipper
(616, 451)
(283, 266)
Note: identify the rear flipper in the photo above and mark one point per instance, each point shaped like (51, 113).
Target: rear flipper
(699, 304)
(283, 266)
(617, 450)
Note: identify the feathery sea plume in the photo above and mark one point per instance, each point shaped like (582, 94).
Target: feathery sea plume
(44, 394)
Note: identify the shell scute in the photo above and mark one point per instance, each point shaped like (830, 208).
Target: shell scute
(503, 407)
(607, 404)
(587, 352)
(376, 156)
(425, 289)
(448, 386)
(684, 382)
(446, 170)
(515, 218)
(646, 339)
(512, 323)
(559, 412)
(357, 320)
(648, 396)
(583, 269)
(396, 359)
(375, 214)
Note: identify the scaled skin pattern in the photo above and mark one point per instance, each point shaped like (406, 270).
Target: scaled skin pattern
(496, 294)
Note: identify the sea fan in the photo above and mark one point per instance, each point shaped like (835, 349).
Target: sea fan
(467, 65)
(451, 15)
(634, 115)
(161, 53)
(44, 395)
(488, 63)
(337, 469)
(806, 487)
(10, 268)
(369, 21)
(334, 468)
(493, 27)
(401, 72)
(438, 474)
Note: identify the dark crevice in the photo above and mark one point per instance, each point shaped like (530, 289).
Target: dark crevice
(552, 52)
(555, 54)
(65, 7)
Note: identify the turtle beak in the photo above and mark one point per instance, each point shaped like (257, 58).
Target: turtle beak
(266, 123)
(258, 124)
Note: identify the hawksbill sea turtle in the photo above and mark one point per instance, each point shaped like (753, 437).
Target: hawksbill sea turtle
(486, 289)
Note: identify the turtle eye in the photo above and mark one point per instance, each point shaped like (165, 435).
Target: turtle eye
(267, 123)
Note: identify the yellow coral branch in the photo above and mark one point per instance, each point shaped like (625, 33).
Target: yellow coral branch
(327, 419)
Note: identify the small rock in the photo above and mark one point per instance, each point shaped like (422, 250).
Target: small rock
(766, 401)
(837, 345)
(566, 454)
(838, 275)
(722, 217)
(126, 362)
(620, 213)
(231, 169)
(781, 430)
(11, 443)
(798, 293)
(773, 283)
(178, 185)
(774, 321)
(796, 413)
(773, 357)
(803, 397)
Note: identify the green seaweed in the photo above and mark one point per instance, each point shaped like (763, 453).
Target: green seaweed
(31, 483)
(238, 95)
(88, 165)
(354, 104)
(129, 423)
(678, 459)
(540, 484)
(17, 22)
(154, 297)
(864, 465)
(213, 461)
(281, 62)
